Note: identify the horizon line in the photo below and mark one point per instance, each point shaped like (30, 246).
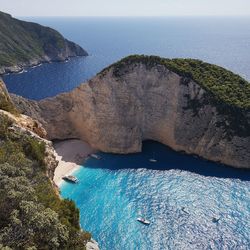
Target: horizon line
(139, 16)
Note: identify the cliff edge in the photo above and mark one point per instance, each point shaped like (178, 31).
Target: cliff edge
(189, 105)
(32, 215)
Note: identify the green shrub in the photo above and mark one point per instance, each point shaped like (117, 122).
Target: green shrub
(31, 212)
(6, 104)
(35, 150)
(5, 101)
(4, 124)
(223, 84)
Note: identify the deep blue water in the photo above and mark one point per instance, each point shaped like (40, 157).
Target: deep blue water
(223, 41)
(114, 191)
(117, 189)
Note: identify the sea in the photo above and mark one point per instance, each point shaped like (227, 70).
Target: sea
(191, 203)
(223, 41)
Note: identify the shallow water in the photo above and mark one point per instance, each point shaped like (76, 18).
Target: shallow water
(223, 41)
(117, 189)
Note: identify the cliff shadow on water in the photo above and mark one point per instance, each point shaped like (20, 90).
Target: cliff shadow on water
(167, 159)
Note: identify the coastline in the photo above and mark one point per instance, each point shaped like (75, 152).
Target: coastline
(17, 69)
(70, 155)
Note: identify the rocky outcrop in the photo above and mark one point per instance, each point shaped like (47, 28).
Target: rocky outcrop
(117, 113)
(92, 245)
(24, 44)
(24, 126)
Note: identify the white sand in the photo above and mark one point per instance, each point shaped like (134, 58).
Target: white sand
(69, 153)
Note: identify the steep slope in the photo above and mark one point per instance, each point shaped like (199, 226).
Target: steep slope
(5, 101)
(24, 44)
(142, 98)
(32, 215)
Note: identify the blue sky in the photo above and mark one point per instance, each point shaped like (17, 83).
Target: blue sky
(125, 7)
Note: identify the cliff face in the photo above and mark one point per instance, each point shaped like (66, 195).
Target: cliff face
(116, 113)
(24, 44)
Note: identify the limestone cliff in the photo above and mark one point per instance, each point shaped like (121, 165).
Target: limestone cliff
(116, 111)
(24, 44)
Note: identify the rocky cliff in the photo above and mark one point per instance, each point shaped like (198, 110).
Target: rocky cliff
(32, 215)
(24, 44)
(131, 102)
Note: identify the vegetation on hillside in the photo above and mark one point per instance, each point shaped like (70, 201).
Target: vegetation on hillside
(223, 84)
(21, 42)
(5, 101)
(32, 216)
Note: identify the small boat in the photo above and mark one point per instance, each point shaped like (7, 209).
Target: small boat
(152, 160)
(143, 221)
(98, 157)
(183, 209)
(215, 220)
(70, 178)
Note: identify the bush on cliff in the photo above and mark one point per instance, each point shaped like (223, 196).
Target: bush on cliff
(5, 101)
(223, 84)
(31, 213)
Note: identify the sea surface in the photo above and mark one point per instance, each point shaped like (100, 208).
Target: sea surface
(223, 41)
(179, 194)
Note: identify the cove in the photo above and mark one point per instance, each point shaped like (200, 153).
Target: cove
(179, 194)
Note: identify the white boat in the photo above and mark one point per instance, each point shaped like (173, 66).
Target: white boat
(143, 221)
(152, 160)
(70, 178)
(98, 157)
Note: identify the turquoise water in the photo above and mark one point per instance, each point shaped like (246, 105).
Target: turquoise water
(221, 40)
(179, 194)
(114, 191)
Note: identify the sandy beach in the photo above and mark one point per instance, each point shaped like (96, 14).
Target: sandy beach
(69, 153)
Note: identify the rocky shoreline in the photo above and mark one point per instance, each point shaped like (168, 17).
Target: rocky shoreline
(26, 44)
(31, 64)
